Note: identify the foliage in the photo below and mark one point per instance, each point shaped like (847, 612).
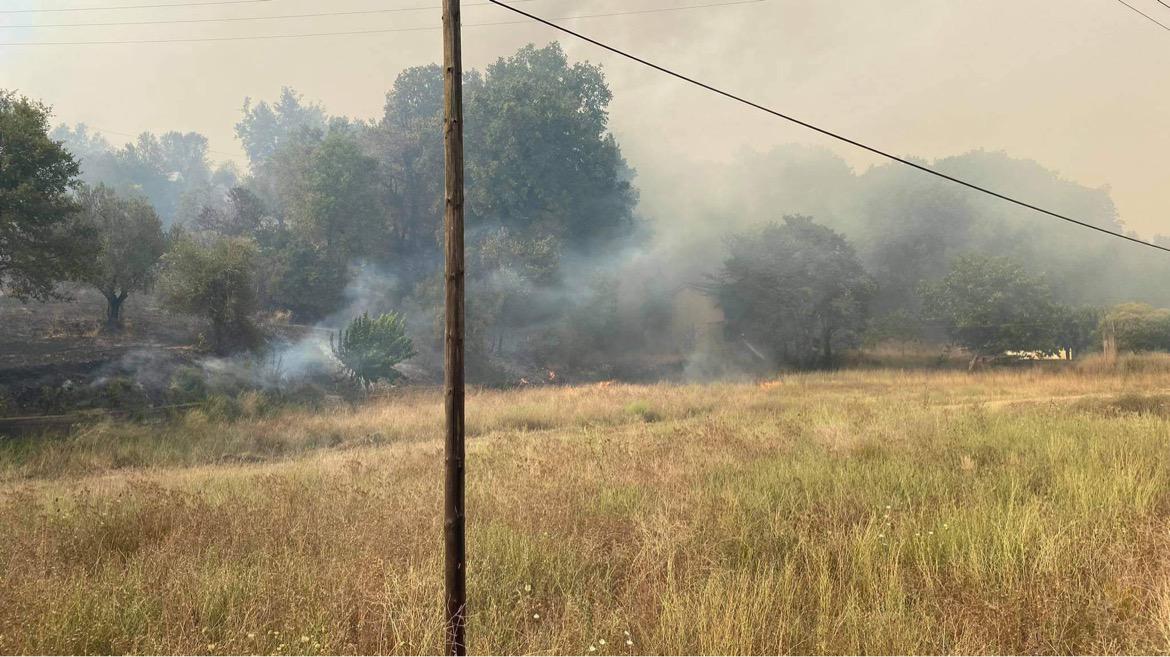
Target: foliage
(38, 246)
(215, 281)
(171, 170)
(897, 326)
(370, 347)
(130, 241)
(991, 305)
(336, 203)
(241, 215)
(303, 279)
(540, 158)
(1075, 329)
(546, 182)
(795, 290)
(1139, 327)
(266, 127)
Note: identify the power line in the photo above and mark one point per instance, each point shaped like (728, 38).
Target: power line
(133, 136)
(826, 132)
(1164, 4)
(119, 7)
(373, 31)
(238, 19)
(1144, 14)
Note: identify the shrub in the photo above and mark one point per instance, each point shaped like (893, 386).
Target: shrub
(370, 347)
(644, 411)
(217, 282)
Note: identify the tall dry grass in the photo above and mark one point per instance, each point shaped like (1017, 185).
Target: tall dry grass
(895, 512)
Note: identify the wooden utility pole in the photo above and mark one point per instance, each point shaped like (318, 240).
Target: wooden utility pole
(453, 526)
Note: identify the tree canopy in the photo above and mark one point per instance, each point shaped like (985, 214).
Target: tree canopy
(991, 305)
(130, 242)
(794, 291)
(1139, 326)
(38, 245)
(171, 170)
(215, 281)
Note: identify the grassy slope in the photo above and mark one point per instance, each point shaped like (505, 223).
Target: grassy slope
(860, 512)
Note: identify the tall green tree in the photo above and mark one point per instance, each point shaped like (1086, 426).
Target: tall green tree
(794, 291)
(266, 127)
(38, 246)
(541, 160)
(338, 204)
(130, 242)
(991, 305)
(332, 214)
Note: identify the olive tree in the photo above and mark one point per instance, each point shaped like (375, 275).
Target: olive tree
(130, 242)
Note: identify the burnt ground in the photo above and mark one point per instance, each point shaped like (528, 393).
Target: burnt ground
(50, 350)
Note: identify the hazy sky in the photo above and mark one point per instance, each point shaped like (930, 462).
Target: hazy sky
(1083, 86)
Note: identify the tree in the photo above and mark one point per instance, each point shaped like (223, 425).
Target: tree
(38, 245)
(331, 197)
(265, 128)
(1075, 329)
(337, 203)
(795, 290)
(991, 305)
(240, 215)
(541, 160)
(304, 280)
(370, 347)
(171, 170)
(130, 243)
(1139, 326)
(215, 281)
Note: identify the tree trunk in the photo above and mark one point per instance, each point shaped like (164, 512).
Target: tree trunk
(114, 310)
(977, 363)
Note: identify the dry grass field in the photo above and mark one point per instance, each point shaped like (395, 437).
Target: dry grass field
(1013, 511)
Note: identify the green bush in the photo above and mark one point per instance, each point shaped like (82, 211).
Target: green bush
(370, 347)
(644, 411)
(1139, 327)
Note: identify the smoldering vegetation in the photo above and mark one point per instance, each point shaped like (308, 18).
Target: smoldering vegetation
(579, 267)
